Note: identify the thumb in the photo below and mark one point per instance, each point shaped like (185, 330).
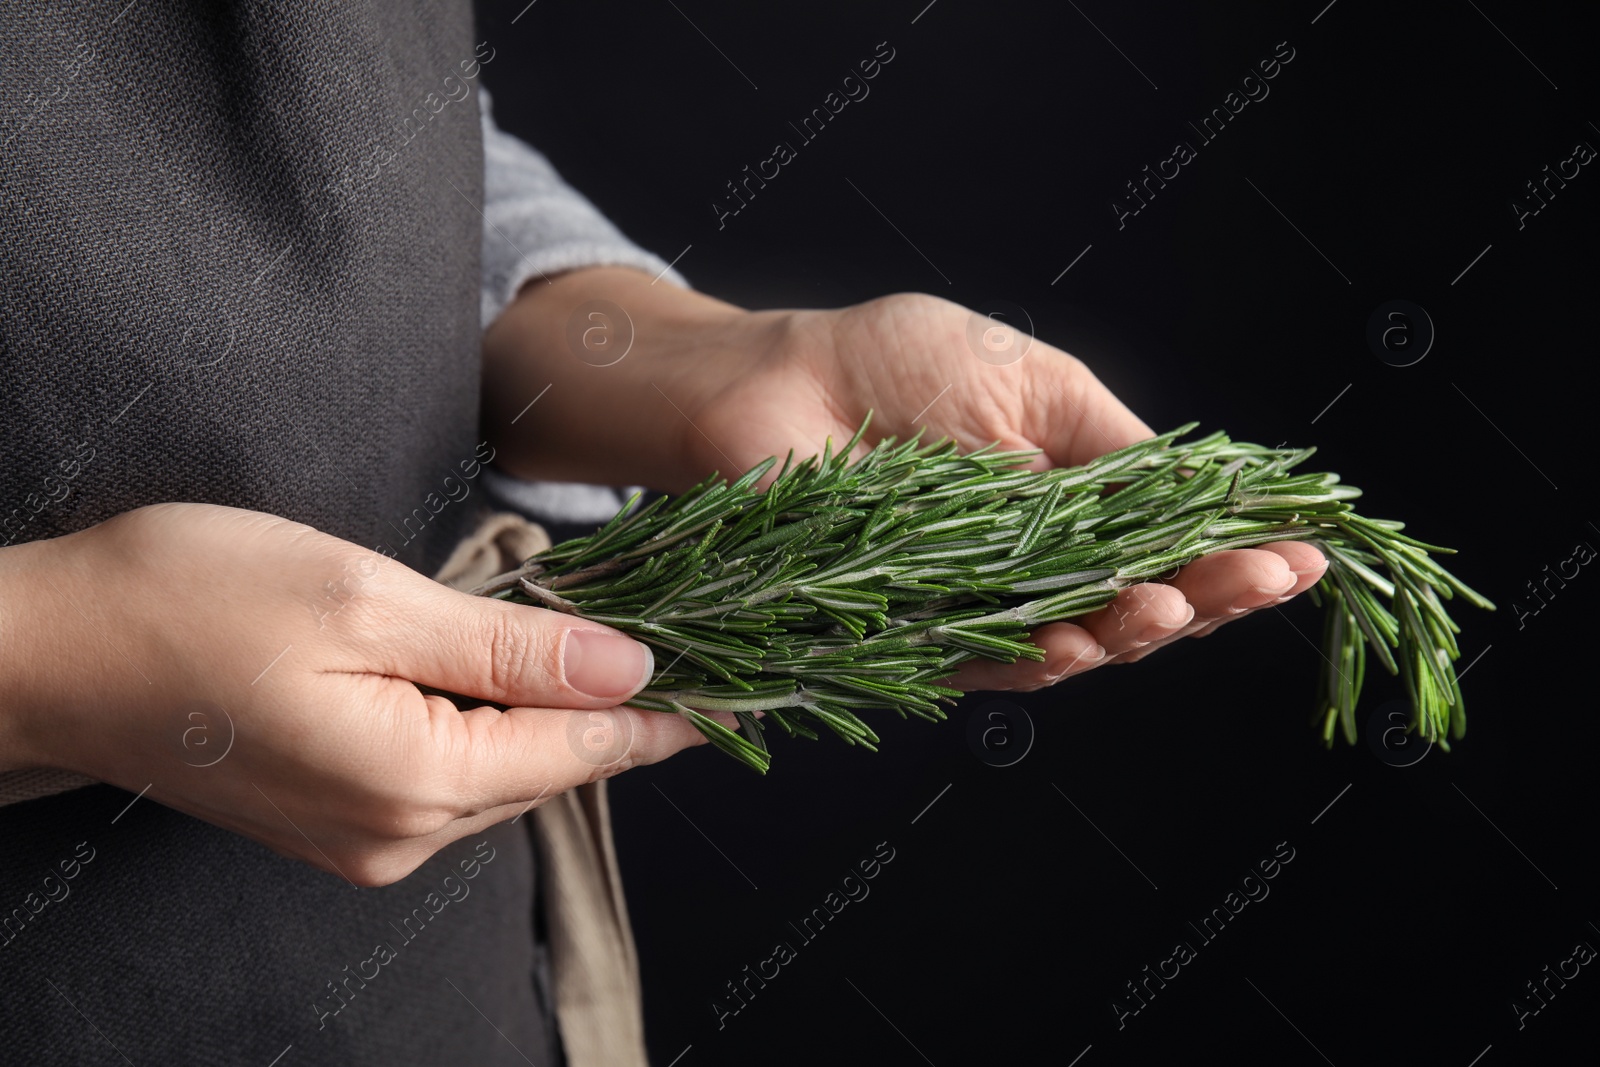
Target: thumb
(512, 654)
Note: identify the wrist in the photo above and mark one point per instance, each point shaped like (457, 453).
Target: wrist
(28, 618)
(618, 362)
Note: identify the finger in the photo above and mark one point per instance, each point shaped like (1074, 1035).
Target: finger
(523, 754)
(1069, 649)
(454, 773)
(1305, 560)
(1229, 585)
(492, 776)
(1139, 615)
(529, 798)
(1305, 565)
(1080, 419)
(506, 653)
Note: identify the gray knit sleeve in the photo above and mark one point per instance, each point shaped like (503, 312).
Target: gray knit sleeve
(536, 224)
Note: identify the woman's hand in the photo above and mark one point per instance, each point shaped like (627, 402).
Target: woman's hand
(259, 674)
(705, 386)
(913, 361)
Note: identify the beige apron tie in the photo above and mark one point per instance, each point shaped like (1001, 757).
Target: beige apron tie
(599, 1003)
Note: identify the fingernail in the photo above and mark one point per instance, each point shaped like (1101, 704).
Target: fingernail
(1084, 660)
(1158, 630)
(1260, 596)
(605, 665)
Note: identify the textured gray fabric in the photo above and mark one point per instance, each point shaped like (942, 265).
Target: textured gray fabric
(234, 235)
(181, 943)
(536, 225)
(235, 244)
(230, 241)
(558, 503)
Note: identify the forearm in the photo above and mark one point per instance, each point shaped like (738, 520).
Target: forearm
(15, 666)
(614, 382)
(40, 637)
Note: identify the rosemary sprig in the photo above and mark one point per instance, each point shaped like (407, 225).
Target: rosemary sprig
(849, 586)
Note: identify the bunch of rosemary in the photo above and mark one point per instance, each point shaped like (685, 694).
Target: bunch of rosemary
(849, 586)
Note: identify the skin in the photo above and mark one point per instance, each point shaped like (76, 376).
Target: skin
(710, 387)
(297, 723)
(336, 758)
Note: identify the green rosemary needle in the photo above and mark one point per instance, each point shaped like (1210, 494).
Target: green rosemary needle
(850, 586)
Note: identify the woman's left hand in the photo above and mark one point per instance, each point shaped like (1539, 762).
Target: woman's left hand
(733, 387)
(914, 361)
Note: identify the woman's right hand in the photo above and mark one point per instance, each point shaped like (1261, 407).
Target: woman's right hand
(259, 675)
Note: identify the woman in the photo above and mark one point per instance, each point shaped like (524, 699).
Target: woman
(264, 269)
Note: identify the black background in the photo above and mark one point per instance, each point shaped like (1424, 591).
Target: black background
(996, 139)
